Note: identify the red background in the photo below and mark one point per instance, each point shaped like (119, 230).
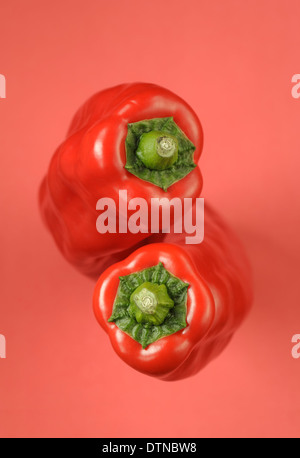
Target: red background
(232, 61)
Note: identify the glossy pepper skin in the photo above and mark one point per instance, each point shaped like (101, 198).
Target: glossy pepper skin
(90, 164)
(218, 299)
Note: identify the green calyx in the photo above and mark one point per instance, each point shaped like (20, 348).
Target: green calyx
(158, 151)
(150, 304)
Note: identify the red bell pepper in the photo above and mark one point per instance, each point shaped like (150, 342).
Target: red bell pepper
(138, 137)
(169, 308)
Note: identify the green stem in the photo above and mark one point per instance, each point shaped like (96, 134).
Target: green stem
(150, 303)
(157, 150)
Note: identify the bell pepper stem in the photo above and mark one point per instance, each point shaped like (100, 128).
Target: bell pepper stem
(157, 150)
(150, 303)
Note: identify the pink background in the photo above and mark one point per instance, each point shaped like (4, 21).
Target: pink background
(233, 62)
